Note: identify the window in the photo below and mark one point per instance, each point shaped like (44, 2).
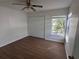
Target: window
(58, 25)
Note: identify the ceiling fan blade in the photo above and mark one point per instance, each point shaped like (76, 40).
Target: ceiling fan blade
(33, 9)
(40, 6)
(24, 8)
(17, 4)
(28, 2)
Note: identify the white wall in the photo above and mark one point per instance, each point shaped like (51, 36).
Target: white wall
(74, 9)
(13, 25)
(76, 13)
(55, 12)
(76, 45)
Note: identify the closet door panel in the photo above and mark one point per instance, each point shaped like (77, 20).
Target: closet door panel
(36, 26)
(48, 27)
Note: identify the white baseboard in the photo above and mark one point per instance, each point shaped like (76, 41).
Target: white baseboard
(61, 41)
(6, 42)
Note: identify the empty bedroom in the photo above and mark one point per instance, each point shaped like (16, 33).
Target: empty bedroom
(39, 29)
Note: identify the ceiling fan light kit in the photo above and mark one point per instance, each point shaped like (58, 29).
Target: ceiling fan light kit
(28, 5)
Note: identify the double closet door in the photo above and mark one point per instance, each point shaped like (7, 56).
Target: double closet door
(39, 26)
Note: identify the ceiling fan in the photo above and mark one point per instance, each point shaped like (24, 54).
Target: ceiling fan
(28, 5)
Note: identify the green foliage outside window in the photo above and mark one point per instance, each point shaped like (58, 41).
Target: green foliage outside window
(58, 26)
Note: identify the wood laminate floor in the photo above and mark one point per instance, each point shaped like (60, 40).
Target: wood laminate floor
(33, 48)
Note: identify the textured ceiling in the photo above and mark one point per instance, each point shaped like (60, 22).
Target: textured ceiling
(47, 4)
